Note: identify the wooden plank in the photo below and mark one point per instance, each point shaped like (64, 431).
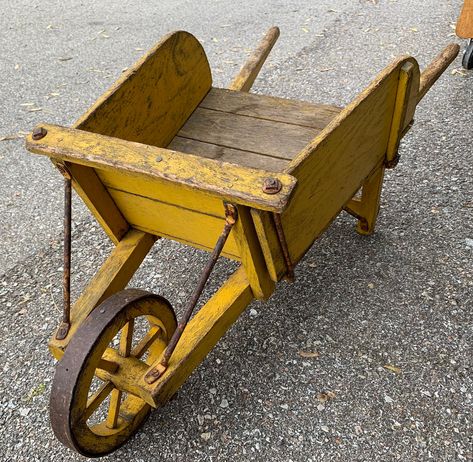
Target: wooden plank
(269, 242)
(464, 27)
(224, 154)
(226, 181)
(112, 276)
(173, 222)
(166, 192)
(154, 97)
(334, 165)
(91, 190)
(251, 255)
(250, 70)
(276, 139)
(270, 108)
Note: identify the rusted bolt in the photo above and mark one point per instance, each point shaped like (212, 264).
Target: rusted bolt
(39, 132)
(271, 185)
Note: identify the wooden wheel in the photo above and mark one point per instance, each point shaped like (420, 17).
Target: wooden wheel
(96, 418)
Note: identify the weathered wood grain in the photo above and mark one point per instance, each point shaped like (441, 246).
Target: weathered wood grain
(272, 108)
(223, 180)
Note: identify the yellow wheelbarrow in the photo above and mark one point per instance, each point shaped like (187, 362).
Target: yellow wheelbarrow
(254, 178)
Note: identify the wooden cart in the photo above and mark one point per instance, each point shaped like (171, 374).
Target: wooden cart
(163, 154)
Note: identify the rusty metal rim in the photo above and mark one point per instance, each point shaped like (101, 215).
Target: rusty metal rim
(69, 369)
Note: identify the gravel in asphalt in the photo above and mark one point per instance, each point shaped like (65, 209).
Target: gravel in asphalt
(367, 356)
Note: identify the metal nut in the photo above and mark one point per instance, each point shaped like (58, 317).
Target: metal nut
(271, 185)
(38, 133)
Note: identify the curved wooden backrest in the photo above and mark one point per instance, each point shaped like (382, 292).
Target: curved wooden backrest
(334, 165)
(151, 101)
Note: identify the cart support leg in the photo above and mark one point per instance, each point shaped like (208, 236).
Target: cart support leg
(366, 209)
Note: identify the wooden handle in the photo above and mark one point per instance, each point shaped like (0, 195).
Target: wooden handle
(436, 68)
(250, 70)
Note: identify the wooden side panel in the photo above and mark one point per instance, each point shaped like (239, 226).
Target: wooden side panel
(334, 165)
(183, 225)
(152, 100)
(225, 181)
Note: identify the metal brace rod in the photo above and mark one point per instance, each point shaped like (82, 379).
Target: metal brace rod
(231, 216)
(66, 278)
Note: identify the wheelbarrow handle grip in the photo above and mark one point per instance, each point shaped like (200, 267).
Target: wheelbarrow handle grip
(436, 68)
(250, 70)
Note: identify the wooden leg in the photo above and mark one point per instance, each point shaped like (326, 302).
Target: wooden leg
(367, 207)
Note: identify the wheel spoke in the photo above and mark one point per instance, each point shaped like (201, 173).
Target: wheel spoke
(107, 365)
(126, 338)
(142, 347)
(114, 408)
(96, 399)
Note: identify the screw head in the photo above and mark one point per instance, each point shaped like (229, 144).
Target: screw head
(271, 185)
(38, 133)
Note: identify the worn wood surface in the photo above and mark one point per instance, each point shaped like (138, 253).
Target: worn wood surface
(306, 114)
(96, 197)
(224, 154)
(251, 255)
(436, 68)
(334, 165)
(173, 222)
(464, 27)
(266, 137)
(226, 181)
(154, 97)
(113, 276)
(252, 130)
(269, 241)
(250, 70)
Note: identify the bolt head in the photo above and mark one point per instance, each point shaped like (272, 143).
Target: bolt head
(271, 185)
(38, 133)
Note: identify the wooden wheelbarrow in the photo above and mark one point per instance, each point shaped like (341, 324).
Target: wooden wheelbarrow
(254, 178)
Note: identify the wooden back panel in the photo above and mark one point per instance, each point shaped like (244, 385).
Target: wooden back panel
(152, 100)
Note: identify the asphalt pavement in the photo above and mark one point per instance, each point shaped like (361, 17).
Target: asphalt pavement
(368, 355)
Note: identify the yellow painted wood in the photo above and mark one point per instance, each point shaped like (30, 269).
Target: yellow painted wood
(113, 276)
(173, 222)
(166, 192)
(407, 91)
(269, 241)
(229, 182)
(125, 414)
(202, 333)
(464, 28)
(248, 73)
(154, 97)
(334, 165)
(91, 190)
(251, 255)
(114, 409)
